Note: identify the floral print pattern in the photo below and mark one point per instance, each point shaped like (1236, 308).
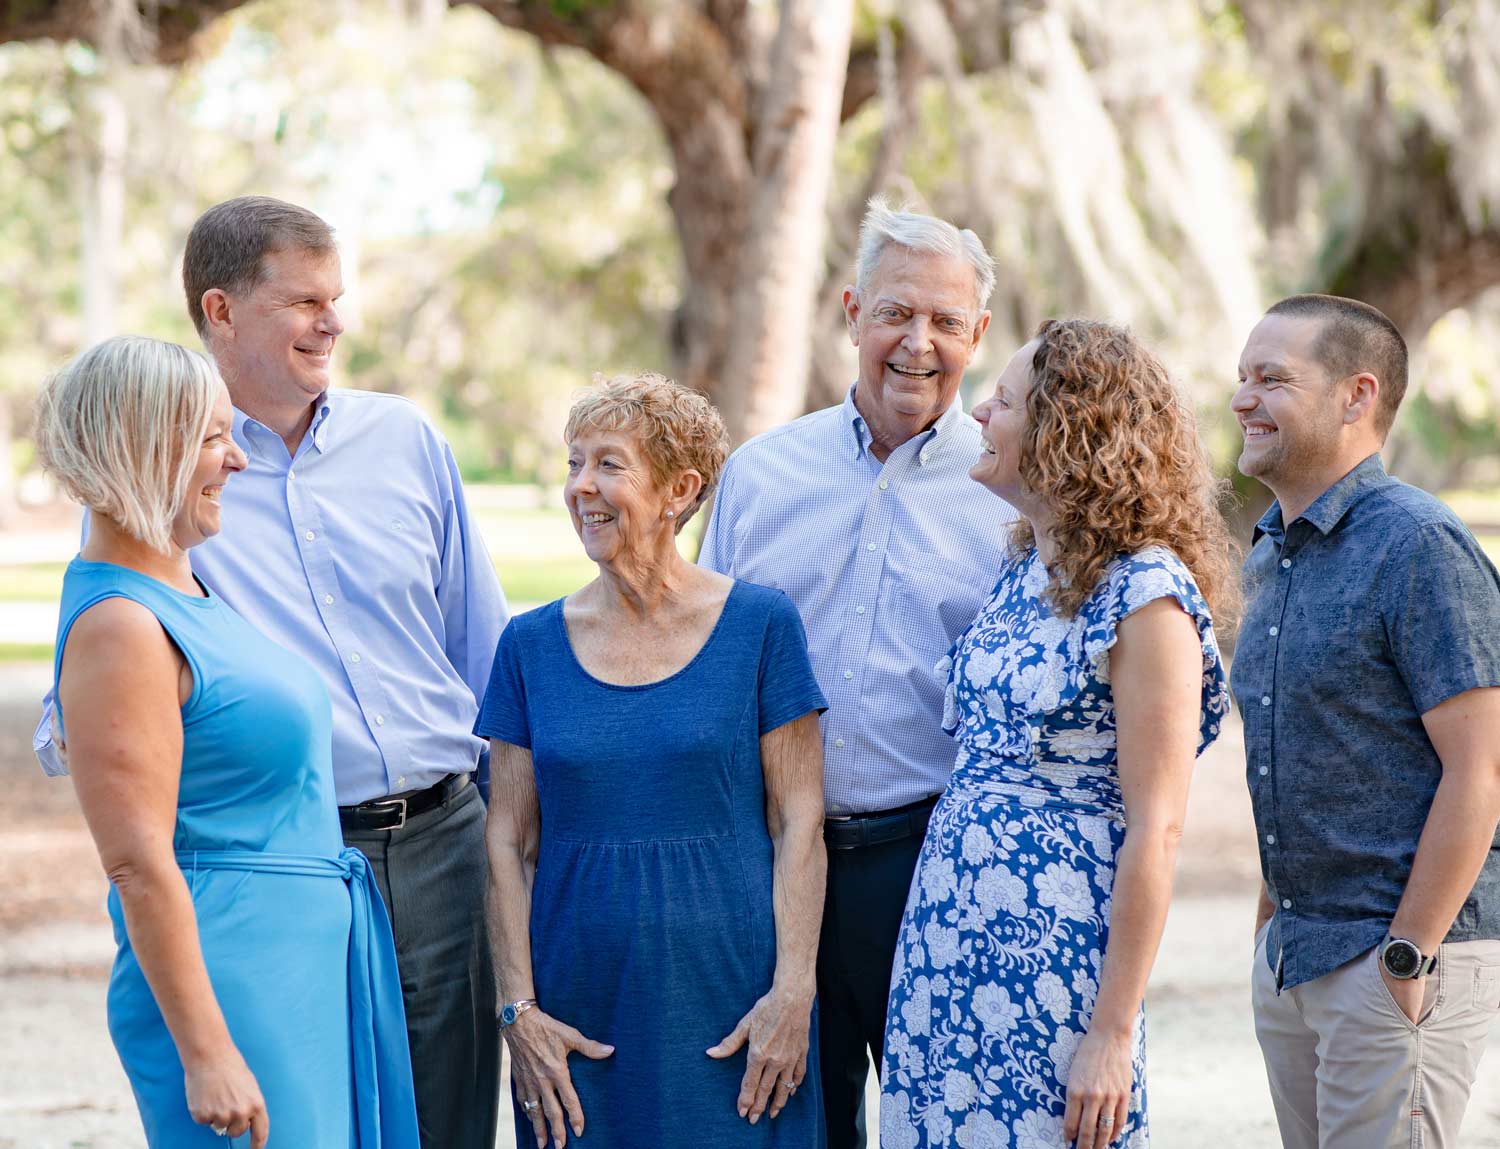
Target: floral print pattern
(1003, 940)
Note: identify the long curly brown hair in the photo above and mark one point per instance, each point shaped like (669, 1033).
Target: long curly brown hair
(1115, 451)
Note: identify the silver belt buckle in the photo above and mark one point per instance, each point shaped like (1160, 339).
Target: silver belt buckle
(401, 802)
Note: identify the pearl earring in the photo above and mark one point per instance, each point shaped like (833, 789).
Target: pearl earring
(671, 514)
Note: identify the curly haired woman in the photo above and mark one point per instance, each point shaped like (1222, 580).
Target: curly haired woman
(1080, 698)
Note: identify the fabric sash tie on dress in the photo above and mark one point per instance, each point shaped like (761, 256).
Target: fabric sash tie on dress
(385, 1115)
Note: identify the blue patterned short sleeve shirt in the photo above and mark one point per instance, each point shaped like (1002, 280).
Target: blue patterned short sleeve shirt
(1368, 610)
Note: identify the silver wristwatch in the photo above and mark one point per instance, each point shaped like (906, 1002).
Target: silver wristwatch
(514, 1009)
(1404, 960)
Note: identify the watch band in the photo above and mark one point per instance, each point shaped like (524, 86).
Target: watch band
(514, 1009)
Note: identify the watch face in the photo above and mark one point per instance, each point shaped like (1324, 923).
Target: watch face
(507, 1014)
(1402, 959)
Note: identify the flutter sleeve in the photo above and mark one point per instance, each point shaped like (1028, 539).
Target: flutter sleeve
(1142, 578)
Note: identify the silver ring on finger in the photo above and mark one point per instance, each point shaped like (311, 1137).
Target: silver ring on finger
(219, 1130)
(1106, 1121)
(528, 1106)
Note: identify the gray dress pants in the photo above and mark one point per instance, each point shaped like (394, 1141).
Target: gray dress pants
(432, 875)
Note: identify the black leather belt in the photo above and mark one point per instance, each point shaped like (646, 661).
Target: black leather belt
(879, 828)
(391, 813)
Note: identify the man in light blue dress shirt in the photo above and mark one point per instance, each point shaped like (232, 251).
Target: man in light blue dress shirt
(865, 515)
(347, 540)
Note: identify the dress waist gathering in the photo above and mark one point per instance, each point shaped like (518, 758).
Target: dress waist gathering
(1036, 784)
(377, 1016)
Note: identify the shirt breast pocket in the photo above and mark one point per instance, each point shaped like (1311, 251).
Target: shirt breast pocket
(934, 607)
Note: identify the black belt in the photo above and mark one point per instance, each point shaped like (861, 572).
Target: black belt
(879, 828)
(391, 813)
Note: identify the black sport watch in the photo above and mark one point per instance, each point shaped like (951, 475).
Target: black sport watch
(1403, 960)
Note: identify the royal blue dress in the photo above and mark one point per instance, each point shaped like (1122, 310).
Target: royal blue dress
(294, 934)
(651, 918)
(1002, 943)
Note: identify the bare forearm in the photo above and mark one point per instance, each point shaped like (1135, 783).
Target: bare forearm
(163, 931)
(508, 919)
(797, 896)
(1454, 844)
(1142, 893)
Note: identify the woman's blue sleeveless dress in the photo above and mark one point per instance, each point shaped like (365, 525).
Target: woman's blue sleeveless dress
(1002, 944)
(294, 934)
(652, 926)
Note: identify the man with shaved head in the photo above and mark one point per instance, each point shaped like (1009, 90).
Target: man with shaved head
(1368, 675)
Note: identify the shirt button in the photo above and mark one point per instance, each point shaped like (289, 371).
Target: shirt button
(884, 483)
(848, 674)
(1286, 564)
(291, 474)
(859, 610)
(1264, 770)
(1275, 630)
(1270, 839)
(838, 742)
(869, 546)
(354, 657)
(328, 600)
(401, 781)
(1265, 700)
(308, 535)
(380, 720)
(1286, 903)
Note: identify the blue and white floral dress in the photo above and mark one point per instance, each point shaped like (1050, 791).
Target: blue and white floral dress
(1003, 939)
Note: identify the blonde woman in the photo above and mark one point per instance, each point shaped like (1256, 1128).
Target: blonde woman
(255, 977)
(1080, 697)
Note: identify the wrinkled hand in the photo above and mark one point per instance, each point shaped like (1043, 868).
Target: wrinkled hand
(1099, 1086)
(1406, 993)
(222, 1093)
(776, 1029)
(539, 1047)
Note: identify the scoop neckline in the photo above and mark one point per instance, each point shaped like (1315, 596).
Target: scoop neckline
(204, 601)
(562, 625)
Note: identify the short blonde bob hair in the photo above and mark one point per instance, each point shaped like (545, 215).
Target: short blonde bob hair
(119, 429)
(679, 430)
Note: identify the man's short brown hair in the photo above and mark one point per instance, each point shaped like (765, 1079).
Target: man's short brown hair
(1355, 337)
(228, 245)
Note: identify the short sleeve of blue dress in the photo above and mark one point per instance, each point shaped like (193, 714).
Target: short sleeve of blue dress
(652, 922)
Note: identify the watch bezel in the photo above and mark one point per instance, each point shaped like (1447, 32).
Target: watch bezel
(1407, 952)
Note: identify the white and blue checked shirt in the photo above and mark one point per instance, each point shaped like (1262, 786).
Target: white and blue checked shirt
(888, 564)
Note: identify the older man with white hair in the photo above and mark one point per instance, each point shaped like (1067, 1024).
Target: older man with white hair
(864, 514)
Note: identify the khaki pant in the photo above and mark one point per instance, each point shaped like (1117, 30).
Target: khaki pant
(1349, 1071)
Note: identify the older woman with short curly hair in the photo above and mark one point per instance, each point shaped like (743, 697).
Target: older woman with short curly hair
(655, 826)
(1080, 698)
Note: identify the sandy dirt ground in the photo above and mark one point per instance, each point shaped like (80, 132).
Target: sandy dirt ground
(62, 1088)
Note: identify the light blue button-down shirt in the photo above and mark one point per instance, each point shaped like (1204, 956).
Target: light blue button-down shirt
(360, 555)
(887, 563)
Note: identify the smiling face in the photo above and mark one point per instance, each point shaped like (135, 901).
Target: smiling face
(1292, 415)
(1002, 427)
(219, 456)
(617, 506)
(916, 326)
(283, 330)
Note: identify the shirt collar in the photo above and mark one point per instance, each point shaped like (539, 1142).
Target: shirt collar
(860, 430)
(317, 429)
(1331, 506)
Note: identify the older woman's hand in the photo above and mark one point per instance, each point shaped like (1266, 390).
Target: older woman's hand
(223, 1094)
(539, 1048)
(777, 1030)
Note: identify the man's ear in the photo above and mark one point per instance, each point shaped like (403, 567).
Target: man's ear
(216, 317)
(981, 325)
(851, 312)
(1364, 397)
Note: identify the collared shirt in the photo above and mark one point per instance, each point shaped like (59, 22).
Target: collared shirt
(360, 555)
(887, 563)
(1367, 611)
